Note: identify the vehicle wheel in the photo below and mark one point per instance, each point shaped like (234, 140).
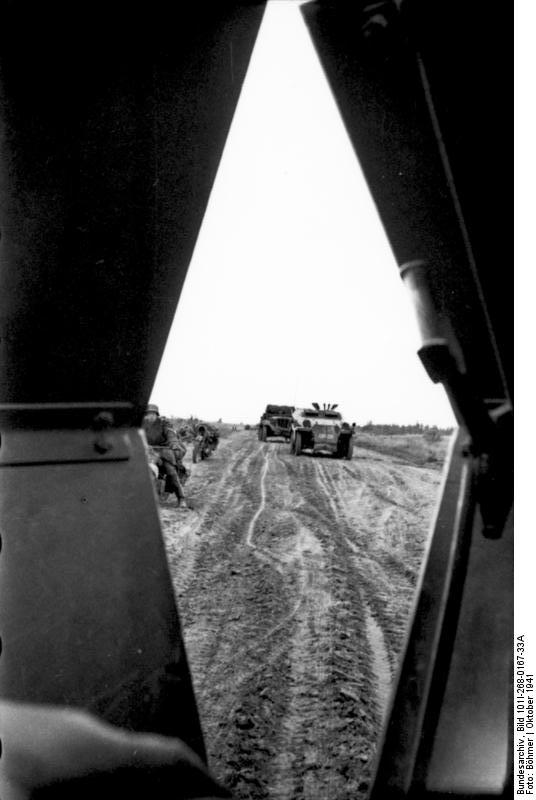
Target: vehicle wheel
(298, 444)
(263, 433)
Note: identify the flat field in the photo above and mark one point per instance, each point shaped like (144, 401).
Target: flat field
(294, 578)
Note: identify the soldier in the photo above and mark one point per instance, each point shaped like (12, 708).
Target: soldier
(162, 437)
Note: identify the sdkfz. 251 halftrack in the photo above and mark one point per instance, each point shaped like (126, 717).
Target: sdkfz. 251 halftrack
(321, 431)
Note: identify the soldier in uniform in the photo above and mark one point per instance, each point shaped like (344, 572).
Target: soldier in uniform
(162, 438)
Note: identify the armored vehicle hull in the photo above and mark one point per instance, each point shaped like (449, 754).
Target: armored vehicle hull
(276, 421)
(320, 432)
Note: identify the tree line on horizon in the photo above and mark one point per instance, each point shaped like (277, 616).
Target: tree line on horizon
(392, 428)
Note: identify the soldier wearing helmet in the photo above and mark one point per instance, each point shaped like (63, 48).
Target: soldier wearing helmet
(163, 440)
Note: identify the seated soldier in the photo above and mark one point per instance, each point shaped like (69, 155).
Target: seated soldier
(162, 439)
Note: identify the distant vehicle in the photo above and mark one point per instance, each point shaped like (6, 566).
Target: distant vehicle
(321, 431)
(276, 421)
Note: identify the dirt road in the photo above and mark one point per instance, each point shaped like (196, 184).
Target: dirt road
(293, 577)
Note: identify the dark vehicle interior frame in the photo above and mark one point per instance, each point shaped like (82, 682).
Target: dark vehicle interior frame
(113, 127)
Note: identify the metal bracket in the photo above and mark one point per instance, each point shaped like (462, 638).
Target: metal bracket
(63, 433)
(20, 448)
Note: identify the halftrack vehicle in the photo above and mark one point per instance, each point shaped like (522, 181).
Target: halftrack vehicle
(321, 431)
(276, 421)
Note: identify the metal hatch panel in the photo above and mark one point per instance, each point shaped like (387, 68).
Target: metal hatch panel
(86, 604)
(421, 90)
(114, 125)
(421, 98)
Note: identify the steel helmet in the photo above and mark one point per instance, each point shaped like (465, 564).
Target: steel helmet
(153, 408)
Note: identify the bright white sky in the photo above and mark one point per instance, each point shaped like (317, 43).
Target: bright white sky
(293, 293)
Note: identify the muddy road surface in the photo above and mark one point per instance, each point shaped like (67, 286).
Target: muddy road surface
(294, 577)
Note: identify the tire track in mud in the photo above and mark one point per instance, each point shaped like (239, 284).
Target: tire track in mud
(289, 608)
(374, 601)
(239, 462)
(316, 675)
(180, 531)
(262, 552)
(332, 497)
(212, 621)
(305, 575)
(268, 557)
(381, 661)
(293, 627)
(348, 681)
(382, 573)
(251, 526)
(181, 528)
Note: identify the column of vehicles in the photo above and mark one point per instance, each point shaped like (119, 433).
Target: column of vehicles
(310, 431)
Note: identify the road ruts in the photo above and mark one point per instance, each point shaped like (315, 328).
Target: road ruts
(293, 577)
